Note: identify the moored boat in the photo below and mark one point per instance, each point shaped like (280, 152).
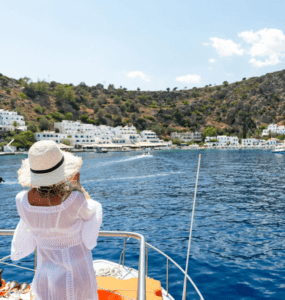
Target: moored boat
(279, 150)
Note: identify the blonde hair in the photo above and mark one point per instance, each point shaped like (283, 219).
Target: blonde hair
(62, 189)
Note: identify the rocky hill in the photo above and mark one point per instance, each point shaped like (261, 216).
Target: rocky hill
(237, 108)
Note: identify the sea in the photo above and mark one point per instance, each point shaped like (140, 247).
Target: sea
(238, 239)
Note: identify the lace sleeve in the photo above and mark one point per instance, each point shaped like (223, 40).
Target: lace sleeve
(23, 242)
(91, 212)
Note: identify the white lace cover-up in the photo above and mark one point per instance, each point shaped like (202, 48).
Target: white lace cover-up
(64, 236)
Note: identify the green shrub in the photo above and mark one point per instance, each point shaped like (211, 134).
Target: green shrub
(39, 109)
(149, 118)
(32, 127)
(4, 80)
(45, 124)
(64, 92)
(117, 100)
(176, 142)
(186, 102)
(22, 95)
(83, 118)
(244, 96)
(66, 142)
(68, 116)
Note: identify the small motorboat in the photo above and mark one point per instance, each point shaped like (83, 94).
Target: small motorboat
(101, 150)
(147, 153)
(278, 150)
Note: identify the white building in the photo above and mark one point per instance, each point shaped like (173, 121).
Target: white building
(84, 134)
(252, 142)
(149, 136)
(222, 141)
(273, 128)
(125, 135)
(7, 118)
(50, 135)
(187, 136)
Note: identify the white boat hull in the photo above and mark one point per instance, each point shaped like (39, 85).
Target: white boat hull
(126, 273)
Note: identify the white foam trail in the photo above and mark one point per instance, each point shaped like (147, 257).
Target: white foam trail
(10, 182)
(126, 159)
(134, 177)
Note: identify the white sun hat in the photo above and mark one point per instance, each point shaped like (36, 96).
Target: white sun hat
(47, 165)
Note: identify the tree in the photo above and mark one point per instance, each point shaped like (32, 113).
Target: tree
(168, 89)
(176, 142)
(68, 116)
(111, 87)
(15, 124)
(32, 127)
(209, 131)
(174, 89)
(44, 124)
(24, 139)
(225, 83)
(83, 118)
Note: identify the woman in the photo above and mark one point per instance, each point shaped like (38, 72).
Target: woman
(59, 218)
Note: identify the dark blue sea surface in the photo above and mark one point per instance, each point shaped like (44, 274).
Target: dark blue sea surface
(238, 239)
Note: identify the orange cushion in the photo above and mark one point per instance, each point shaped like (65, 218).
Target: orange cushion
(126, 287)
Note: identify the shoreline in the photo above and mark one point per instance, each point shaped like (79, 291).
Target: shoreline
(176, 148)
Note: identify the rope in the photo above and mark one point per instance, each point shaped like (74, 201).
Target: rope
(1, 262)
(115, 272)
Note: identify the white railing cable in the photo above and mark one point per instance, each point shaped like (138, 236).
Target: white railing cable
(190, 234)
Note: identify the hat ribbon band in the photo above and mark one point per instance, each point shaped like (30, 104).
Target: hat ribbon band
(49, 170)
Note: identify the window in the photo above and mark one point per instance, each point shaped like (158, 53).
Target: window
(44, 135)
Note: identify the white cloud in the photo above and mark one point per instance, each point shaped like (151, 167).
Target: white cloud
(226, 47)
(189, 78)
(211, 60)
(135, 74)
(268, 44)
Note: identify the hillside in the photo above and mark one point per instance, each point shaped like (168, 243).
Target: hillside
(237, 108)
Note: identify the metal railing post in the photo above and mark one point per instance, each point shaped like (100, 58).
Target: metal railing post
(124, 251)
(146, 260)
(167, 276)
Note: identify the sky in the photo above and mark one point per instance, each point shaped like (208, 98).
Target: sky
(150, 44)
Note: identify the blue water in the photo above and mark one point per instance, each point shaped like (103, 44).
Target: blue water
(238, 239)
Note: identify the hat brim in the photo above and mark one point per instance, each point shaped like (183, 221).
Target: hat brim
(70, 166)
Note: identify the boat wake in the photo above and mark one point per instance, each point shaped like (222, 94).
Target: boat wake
(10, 182)
(126, 159)
(134, 177)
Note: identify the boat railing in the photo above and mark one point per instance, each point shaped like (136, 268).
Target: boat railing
(143, 260)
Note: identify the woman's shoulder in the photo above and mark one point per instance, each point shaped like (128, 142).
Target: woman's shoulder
(20, 196)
